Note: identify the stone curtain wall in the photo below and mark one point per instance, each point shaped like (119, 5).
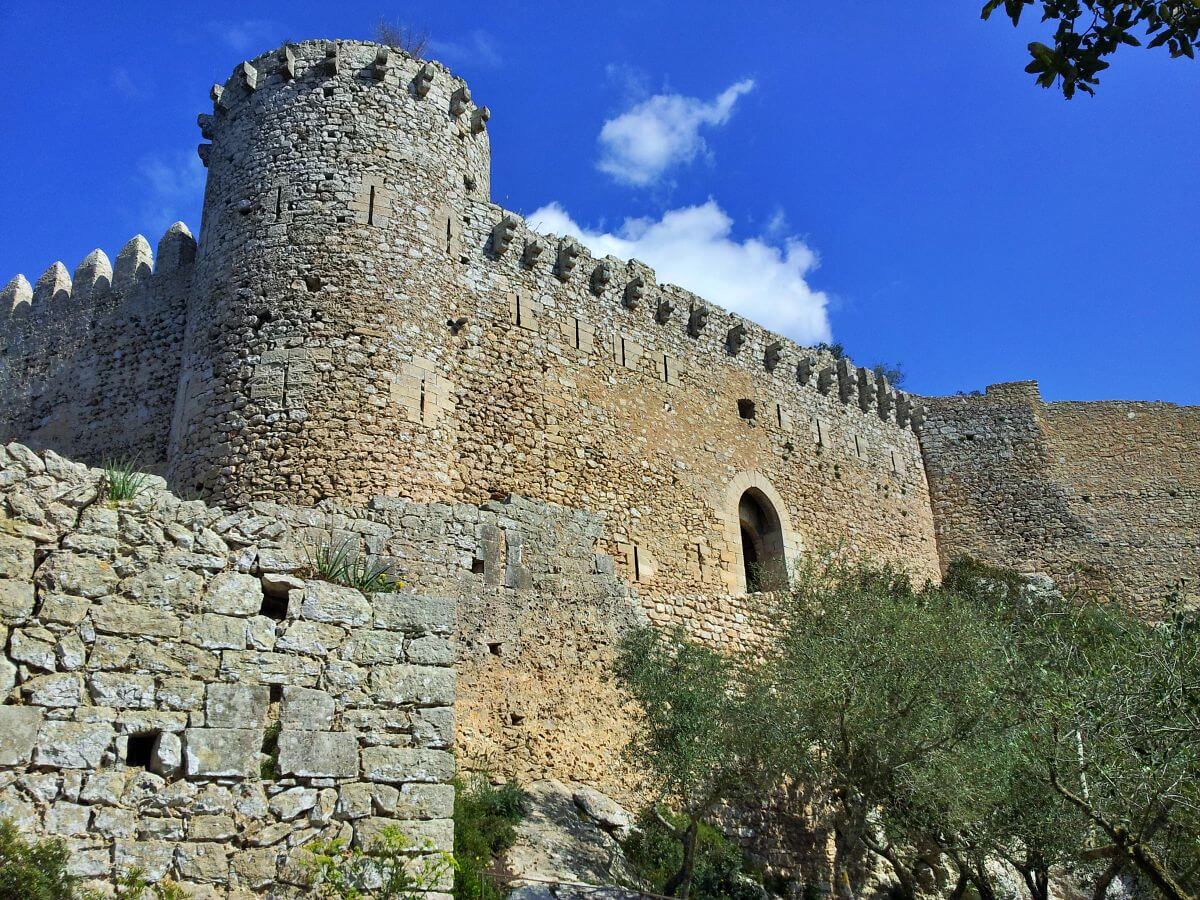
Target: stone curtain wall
(152, 649)
(89, 365)
(1104, 496)
(583, 382)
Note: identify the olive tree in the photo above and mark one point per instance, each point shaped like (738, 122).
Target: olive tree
(703, 738)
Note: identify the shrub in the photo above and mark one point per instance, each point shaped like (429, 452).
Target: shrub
(384, 870)
(36, 871)
(722, 871)
(412, 41)
(485, 816)
(122, 480)
(341, 563)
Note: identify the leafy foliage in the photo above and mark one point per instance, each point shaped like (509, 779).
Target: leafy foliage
(36, 871)
(341, 563)
(385, 870)
(721, 873)
(485, 816)
(703, 737)
(1089, 30)
(122, 480)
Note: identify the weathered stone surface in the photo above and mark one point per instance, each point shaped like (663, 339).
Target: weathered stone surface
(211, 828)
(431, 650)
(325, 602)
(425, 801)
(30, 648)
(428, 835)
(293, 802)
(398, 765)
(236, 705)
(122, 691)
(312, 638)
(426, 685)
(63, 609)
(318, 754)
(83, 576)
(433, 727)
(601, 808)
(16, 601)
(152, 857)
(216, 632)
(70, 745)
(16, 557)
(67, 819)
(306, 709)
(165, 585)
(167, 756)
(414, 614)
(115, 617)
(55, 691)
(18, 733)
(221, 752)
(233, 594)
(255, 869)
(203, 862)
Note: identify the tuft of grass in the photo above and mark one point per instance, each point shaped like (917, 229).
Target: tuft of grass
(485, 819)
(341, 563)
(122, 480)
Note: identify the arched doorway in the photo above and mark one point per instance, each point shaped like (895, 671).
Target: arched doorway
(763, 551)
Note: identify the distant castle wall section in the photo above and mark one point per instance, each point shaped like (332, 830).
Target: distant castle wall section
(89, 365)
(1105, 495)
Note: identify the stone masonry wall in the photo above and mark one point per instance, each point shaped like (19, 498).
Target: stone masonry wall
(89, 366)
(154, 649)
(1104, 496)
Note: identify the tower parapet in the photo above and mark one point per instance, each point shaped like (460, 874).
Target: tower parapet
(337, 176)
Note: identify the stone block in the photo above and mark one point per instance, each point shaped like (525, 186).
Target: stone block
(72, 745)
(66, 819)
(422, 836)
(18, 733)
(431, 650)
(16, 557)
(398, 765)
(354, 801)
(33, 647)
(64, 572)
(217, 632)
(269, 668)
(122, 691)
(311, 638)
(433, 727)
(61, 690)
(306, 709)
(167, 756)
(255, 869)
(425, 685)
(221, 752)
(237, 705)
(234, 594)
(115, 617)
(325, 602)
(206, 863)
(152, 857)
(211, 828)
(16, 601)
(414, 615)
(372, 647)
(318, 754)
(425, 801)
(105, 787)
(292, 803)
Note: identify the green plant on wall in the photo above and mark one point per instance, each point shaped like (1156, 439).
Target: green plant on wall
(386, 869)
(341, 563)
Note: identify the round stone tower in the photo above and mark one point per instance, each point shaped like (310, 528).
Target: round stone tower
(316, 347)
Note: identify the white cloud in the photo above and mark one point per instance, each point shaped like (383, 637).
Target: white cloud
(762, 278)
(248, 35)
(479, 47)
(641, 144)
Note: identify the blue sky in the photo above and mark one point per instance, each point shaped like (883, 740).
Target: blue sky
(884, 170)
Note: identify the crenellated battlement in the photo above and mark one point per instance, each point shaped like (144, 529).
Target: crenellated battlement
(60, 301)
(628, 296)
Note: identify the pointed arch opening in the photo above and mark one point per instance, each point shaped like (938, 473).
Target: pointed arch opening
(764, 554)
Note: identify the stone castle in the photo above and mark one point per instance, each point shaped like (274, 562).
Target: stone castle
(548, 447)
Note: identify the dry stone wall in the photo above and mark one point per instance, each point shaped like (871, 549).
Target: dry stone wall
(1103, 496)
(176, 698)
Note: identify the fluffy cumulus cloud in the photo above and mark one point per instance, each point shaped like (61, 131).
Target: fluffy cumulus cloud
(762, 278)
(641, 144)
